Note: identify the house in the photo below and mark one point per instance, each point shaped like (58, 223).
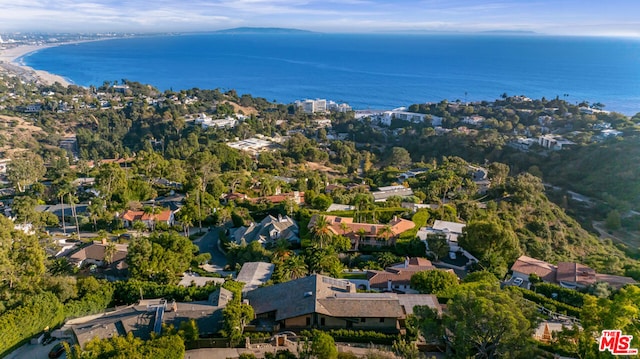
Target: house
(525, 266)
(270, 229)
(412, 173)
(97, 254)
(254, 274)
(233, 196)
(296, 196)
(450, 230)
(149, 219)
(148, 316)
(474, 120)
(312, 106)
(566, 274)
(366, 233)
(4, 163)
(386, 117)
(554, 142)
(610, 133)
(383, 193)
(327, 303)
(397, 278)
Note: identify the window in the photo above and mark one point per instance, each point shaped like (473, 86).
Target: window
(322, 321)
(381, 320)
(308, 321)
(363, 320)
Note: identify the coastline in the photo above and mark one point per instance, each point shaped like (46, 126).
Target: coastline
(9, 64)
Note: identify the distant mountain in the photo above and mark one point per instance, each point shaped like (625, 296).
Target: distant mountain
(262, 30)
(509, 32)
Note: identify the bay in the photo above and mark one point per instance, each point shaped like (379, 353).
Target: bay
(377, 71)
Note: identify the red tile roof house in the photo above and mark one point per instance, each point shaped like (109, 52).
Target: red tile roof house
(397, 278)
(165, 216)
(366, 233)
(566, 274)
(296, 197)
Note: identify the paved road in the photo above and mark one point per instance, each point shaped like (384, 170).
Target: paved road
(209, 243)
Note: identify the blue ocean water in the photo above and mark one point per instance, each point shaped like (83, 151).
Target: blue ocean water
(367, 71)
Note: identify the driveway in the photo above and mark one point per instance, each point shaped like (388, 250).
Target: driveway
(34, 351)
(209, 244)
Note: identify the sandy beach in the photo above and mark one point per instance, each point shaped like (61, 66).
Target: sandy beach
(9, 64)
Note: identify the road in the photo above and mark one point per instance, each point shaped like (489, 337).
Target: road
(209, 244)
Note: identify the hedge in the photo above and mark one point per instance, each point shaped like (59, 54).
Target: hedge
(564, 295)
(361, 336)
(20, 324)
(550, 304)
(127, 292)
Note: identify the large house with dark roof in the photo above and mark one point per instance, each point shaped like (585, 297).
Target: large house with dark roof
(327, 303)
(366, 233)
(148, 315)
(270, 229)
(566, 274)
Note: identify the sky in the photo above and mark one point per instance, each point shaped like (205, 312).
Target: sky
(561, 17)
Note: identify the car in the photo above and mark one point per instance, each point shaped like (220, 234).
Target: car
(517, 281)
(48, 339)
(57, 350)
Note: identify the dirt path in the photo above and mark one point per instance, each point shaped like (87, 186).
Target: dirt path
(628, 238)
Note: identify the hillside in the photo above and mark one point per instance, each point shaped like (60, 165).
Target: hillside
(17, 134)
(608, 171)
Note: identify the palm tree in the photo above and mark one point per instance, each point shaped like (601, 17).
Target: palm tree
(385, 232)
(109, 251)
(139, 226)
(95, 209)
(321, 230)
(281, 250)
(344, 227)
(361, 233)
(295, 267)
(72, 201)
(63, 189)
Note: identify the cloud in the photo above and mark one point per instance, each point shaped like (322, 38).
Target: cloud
(580, 16)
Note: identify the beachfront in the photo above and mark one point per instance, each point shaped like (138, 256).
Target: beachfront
(9, 64)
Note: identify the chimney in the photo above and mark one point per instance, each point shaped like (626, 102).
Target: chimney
(104, 241)
(406, 262)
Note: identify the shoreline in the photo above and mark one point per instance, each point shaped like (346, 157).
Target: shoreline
(10, 64)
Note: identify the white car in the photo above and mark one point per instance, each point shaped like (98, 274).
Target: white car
(517, 281)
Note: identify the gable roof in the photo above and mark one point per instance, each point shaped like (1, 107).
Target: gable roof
(356, 306)
(332, 297)
(164, 216)
(542, 269)
(96, 251)
(285, 228)
(254, 274)
(615, 281)
(575, 273)
(397, 226)
(290, 299)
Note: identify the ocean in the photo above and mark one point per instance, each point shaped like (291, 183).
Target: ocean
(373, 71)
